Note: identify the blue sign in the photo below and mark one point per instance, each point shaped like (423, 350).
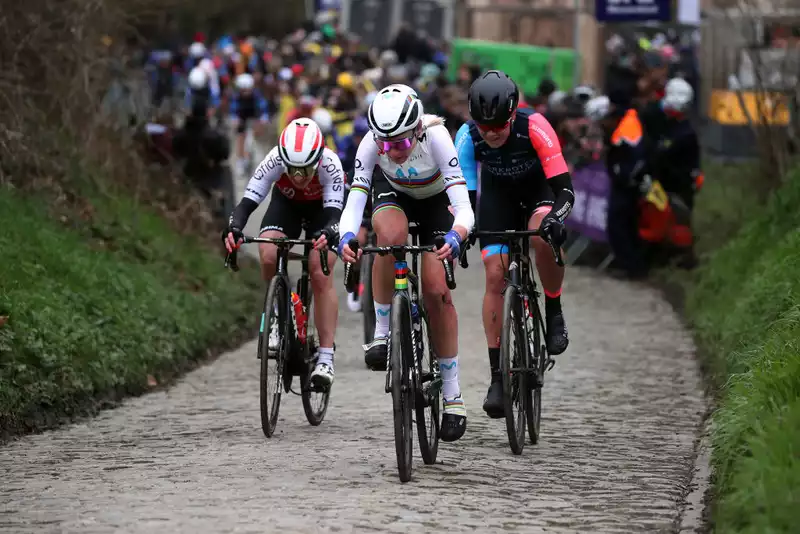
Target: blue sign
(633, 10)
(325, 5)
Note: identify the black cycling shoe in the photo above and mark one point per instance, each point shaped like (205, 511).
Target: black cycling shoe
(557, 338)
(375, 354)
(493, 404)
(454, 420)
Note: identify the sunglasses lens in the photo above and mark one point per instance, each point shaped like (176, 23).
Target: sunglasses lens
(301, 171)
(402, 144)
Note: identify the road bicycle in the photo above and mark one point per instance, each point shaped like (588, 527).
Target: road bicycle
(412, 375)
(523, 350)
(292, 315)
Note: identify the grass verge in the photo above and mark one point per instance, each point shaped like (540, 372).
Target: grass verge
(93, 311)
(743, 305)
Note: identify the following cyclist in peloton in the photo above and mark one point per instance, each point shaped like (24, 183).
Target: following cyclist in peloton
(419, 179)
(523, 176)
(309, 189)
(246, 103)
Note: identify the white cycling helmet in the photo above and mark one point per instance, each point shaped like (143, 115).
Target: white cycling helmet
(197, 50)
(556, 98)
(584, 92)
(598, 108)
(245, 82)
(301, 144)
(324, 120)
(678, 95)
(395, 111)
(198, 78)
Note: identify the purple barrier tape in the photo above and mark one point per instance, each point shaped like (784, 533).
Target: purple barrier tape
(592, 186)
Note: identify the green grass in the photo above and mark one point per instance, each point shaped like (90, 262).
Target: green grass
(744, 305)
(90, 318)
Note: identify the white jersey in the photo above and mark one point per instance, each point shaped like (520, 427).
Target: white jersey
(429, 170)
(432, 168)
(327, 184)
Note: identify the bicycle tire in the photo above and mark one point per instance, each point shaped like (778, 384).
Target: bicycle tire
(276, 301)
(314, 415)
(428, 394)
(402, 396)
(514, 382)
(367, 304)
(538, 363)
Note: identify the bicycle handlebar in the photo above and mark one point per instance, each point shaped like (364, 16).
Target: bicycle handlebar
(349, 278)
(282, 242)
(509, 235)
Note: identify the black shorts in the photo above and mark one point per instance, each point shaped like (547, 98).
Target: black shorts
(290, 217)
(244, 114)
(504, 204)
(431, 214)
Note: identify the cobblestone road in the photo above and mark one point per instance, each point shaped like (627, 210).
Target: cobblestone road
(621, 411)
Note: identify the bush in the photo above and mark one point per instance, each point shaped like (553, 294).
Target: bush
(94, 318)
(745, 308)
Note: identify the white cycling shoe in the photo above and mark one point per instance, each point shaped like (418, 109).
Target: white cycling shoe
(353, 302)
(322, 374)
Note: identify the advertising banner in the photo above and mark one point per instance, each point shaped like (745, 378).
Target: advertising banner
(592, 187)
(633, 10)
(527, 65)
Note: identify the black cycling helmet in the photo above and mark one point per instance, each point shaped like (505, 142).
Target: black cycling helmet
(493, 98)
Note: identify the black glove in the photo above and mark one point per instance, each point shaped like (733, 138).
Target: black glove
(553, 231)
(331, 232)
(237, 232)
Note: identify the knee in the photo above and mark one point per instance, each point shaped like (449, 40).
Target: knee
(436, 294)
(540, 247)
(395, 235)
(268, 255)
(319, 281)
(495, 275)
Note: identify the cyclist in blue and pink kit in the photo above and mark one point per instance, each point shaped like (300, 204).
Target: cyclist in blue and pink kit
(523, 174)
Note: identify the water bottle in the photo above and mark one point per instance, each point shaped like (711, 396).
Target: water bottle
(299, 317)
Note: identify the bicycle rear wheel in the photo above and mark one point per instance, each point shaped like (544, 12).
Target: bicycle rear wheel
(315, 400)
(276, 310)
(402, 395)
(512, 354)
(428, 400)
(538, 362)
(367, 304)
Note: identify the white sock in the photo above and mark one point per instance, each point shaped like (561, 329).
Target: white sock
(325, 355)
(382, 319)
(449, 369)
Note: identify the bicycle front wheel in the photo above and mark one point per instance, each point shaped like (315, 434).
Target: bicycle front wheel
(402, 395)
(367, 304)
(512, 358)
(315, 400)
(273, 362)
(428, 402)
(538, 363)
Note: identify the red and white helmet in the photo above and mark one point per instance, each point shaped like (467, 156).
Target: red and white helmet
(301, 144)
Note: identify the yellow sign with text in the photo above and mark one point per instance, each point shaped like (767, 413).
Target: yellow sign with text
(760, 108)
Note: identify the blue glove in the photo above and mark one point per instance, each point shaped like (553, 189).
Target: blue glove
(343, 241)
(454, 240)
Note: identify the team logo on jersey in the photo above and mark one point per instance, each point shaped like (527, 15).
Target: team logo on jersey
(411, 172)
